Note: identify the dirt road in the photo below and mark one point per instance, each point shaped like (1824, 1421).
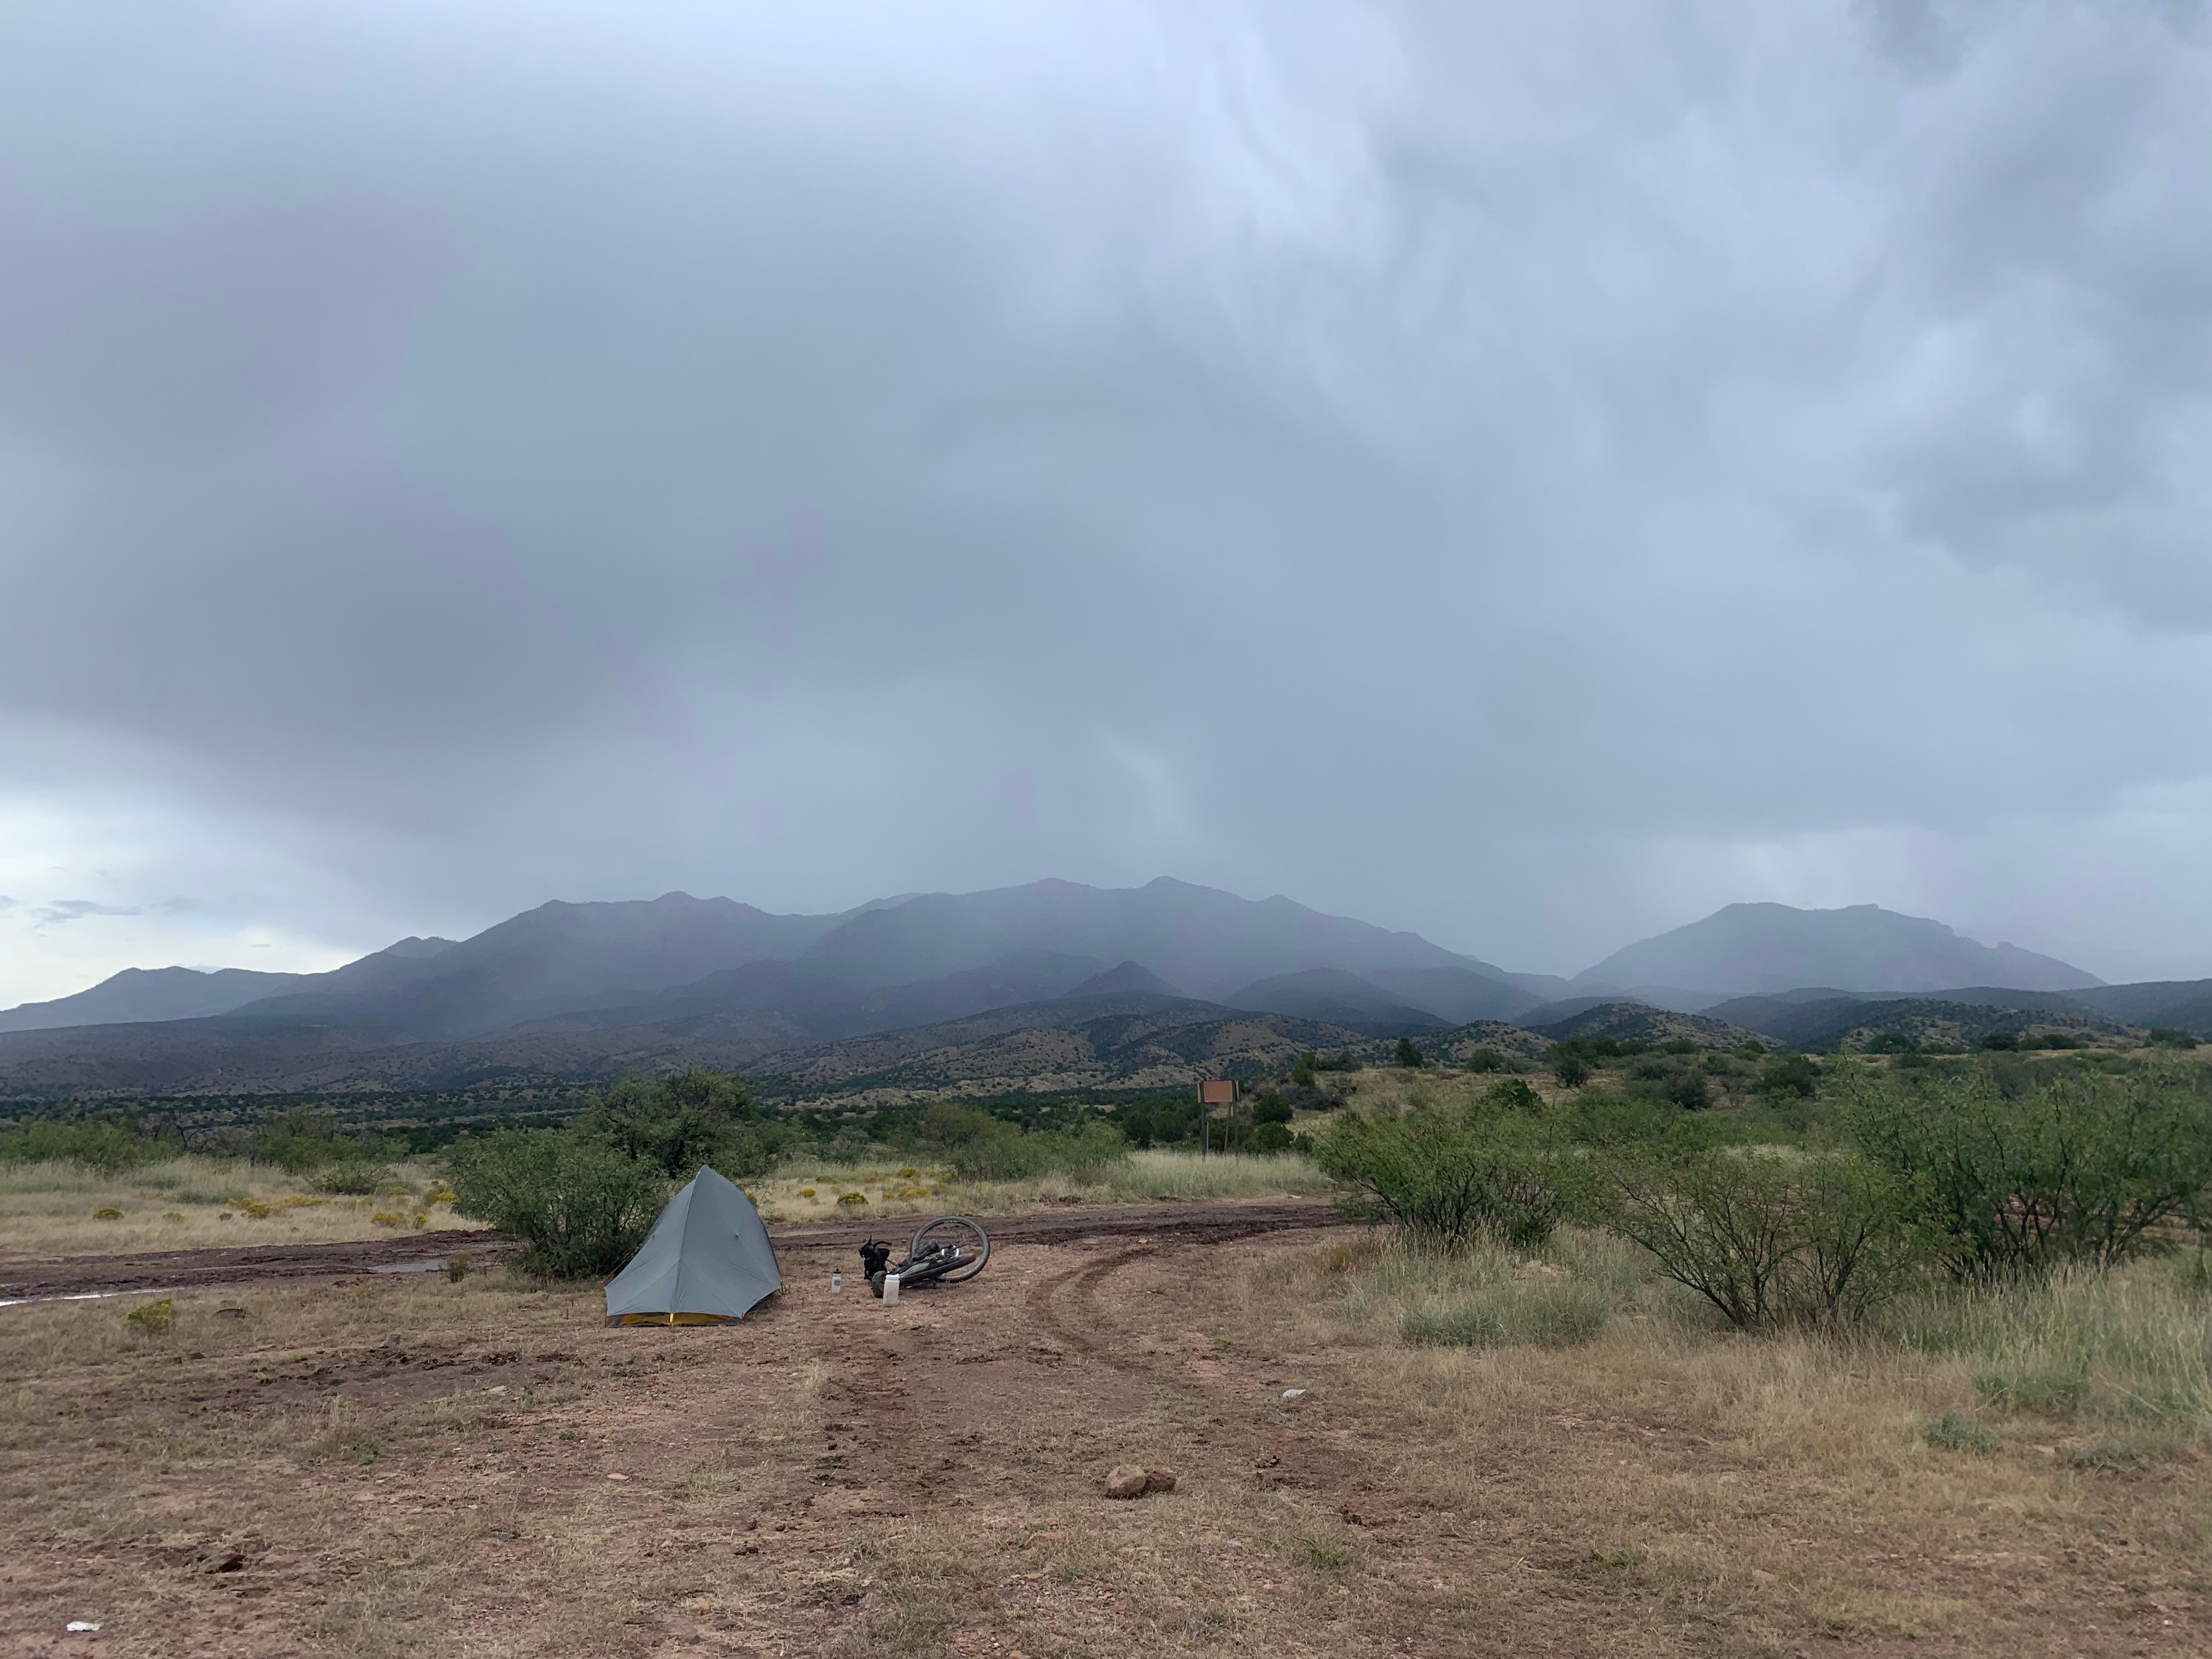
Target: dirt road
(403, 1463)
(28, 1280)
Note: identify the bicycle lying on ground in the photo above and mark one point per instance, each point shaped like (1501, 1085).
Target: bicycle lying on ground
(946, 1251)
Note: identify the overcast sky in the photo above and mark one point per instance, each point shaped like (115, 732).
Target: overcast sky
(1528, 474)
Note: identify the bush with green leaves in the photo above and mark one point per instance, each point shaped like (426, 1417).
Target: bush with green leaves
(109, 1144)
(300, 1140)
(1789, 1074)
(695, 1118)
(1569, 1066)
(581, 1206)
(1082, 1154)
(1513, 1094)
(1444, 1176)
(1485, 1058)
(1408, 1054)
(2077, 1167)
(1766, 1237)
(2162, 1037)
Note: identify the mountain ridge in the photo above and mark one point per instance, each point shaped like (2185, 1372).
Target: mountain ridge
(1746, 949)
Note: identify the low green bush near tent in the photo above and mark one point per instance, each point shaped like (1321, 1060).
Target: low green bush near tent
(582, 1207)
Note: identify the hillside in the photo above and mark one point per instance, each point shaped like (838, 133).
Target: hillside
(1637, 1022)
(1747, 948)
(1336, 998)
(2179, 1004)
(1856, 1021)
(1208, 942)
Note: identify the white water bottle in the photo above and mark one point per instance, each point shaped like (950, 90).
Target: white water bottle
(836, 1279)
(890, 1288)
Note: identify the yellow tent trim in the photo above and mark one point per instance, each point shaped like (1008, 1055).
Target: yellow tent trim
(672, 1319)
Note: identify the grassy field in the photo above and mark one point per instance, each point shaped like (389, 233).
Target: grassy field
(812, 1192)
(189, 1201)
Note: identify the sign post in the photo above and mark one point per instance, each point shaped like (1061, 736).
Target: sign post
(1212, 1092)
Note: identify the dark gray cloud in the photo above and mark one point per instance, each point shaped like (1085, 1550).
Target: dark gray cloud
(1530, 477)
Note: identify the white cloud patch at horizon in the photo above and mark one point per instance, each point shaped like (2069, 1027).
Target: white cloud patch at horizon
(1525, 475)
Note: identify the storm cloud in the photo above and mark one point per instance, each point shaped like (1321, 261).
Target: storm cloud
(1529, 475)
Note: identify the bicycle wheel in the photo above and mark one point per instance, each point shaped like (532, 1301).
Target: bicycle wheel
(963, 1233)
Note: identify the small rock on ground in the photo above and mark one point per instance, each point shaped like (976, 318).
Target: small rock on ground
(1127, 1480)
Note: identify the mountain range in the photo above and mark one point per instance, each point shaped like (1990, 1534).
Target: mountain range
(586, 990)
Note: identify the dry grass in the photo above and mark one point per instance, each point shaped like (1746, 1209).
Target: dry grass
(416, 1466)
(192, 1201)
(811, 1192)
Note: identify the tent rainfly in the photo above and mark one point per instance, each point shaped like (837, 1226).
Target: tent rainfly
(707, 1262)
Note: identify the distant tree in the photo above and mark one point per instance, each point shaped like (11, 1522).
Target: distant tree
(2164, 1037)
(1408, 1055)
(1271, 1108)
(1513, 1094)
(1567, 1066)
(1302, 1070)
(947, 1125)
(1999, 1042)
(1485, 1060)
(1789, 1074)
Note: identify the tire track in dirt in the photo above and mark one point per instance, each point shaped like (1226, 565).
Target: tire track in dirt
(32, 1279)
(1080, 1286)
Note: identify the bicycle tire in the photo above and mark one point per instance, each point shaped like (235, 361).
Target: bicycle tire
(954, 1224)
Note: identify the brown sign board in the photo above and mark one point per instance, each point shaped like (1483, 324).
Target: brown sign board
(1217, 1092)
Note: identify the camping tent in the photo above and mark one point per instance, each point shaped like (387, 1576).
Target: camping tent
(705, 1261)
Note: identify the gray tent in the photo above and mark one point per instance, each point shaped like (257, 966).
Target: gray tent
(705, 1261)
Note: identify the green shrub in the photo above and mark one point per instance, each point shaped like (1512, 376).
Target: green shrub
(1302, 1070)
(1513, 1094)
(695, 1118)
(1999, 1042)
(356, 1180)
(1271, 1108)
(2163, 1036)
(1485, 1058)
(108, 1145)
(1083, 1154)
(1596, 1117)
(581, 1206)
(298, 1140)
(1445, 1177)
(947, 1125)
(2078, 1168)
(1764, 1237)
(1408, 1054)
(1789, 1074)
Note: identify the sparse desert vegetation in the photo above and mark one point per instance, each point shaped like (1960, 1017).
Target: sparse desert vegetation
(1604, 1371)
